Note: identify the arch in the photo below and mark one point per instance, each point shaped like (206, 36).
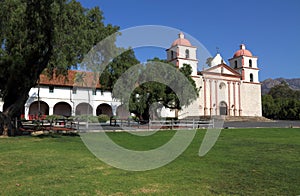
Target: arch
(37, 108)
(62, 109)
(223, 108)
(187, 54)
(104, 108)
(250, 63)
(235, 64)
(172, 54)
(122, 112)
(251, 77)
(83, 108)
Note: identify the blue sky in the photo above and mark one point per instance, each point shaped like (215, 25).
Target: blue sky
(269, 28)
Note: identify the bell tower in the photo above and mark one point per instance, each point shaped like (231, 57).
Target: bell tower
(246, 64)
(182, 52)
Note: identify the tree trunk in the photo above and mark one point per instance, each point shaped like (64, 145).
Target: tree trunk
(6, 126)
(12, 110)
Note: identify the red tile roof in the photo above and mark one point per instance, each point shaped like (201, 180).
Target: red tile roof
(90, 79)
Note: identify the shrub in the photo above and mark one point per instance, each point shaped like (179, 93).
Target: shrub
(54, 117)
(103, 118)
(86, 118)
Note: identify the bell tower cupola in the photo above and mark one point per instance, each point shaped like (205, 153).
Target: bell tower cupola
(182, 52)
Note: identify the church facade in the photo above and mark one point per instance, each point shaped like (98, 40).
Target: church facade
(230, 90)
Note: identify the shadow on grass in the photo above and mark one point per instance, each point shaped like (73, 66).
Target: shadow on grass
(55, 135)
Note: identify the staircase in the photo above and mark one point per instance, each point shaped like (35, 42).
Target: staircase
(246, 119)
(232, 118)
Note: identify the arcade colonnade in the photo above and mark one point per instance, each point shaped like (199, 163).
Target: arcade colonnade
(65, 102)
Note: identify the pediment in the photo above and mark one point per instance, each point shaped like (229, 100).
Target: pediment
(221, 69)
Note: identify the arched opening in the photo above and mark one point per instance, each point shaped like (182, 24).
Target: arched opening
(250, 63)
(83, 108)
(235, 64)
(187, 54)
(38, 108)
(62, 109)
(104, 108)
(251, 77)
(223, 108)
(122, 112)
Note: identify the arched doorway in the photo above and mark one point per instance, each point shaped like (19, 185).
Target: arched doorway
(104, 108)
(84, 108)
(38, 108)
(62, 109)
(223, 108)
(122, 112)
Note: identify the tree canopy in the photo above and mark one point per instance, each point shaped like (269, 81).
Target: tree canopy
(38, 35)
(146, 87)
(281, 103)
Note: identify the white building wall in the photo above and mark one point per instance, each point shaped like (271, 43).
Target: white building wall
(217, 60)
(254, 73)
(194, 109)
(192, 52)
(65, 94)
(238, 60)
(193, 64)
(251, 99)
(247, 60)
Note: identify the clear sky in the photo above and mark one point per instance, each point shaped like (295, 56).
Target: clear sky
(269, 28)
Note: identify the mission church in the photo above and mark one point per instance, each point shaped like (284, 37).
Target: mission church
(230, 90)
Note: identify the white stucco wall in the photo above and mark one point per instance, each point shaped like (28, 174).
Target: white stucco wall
(217, 60)
(251, 99)
(65, 94)
(254, 73)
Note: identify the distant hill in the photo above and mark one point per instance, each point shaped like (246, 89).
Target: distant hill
(269, 83)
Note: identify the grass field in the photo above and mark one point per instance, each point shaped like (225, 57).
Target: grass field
(243, 162)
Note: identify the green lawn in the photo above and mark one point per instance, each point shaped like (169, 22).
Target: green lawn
(243, 162)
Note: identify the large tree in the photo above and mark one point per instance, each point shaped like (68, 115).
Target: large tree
(38, 35)
(144, 88)
(178, 90)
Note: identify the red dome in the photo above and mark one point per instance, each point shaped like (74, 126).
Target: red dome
(242, 52)
(181, 41)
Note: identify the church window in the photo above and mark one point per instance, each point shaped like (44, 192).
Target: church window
(251, 77)
(222, 85)
(235, 64)
(74, 90)
(51, 89)
(172, 54)
(187, 54)
(250, 63)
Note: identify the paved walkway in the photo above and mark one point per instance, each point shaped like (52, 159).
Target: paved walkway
(274, 124)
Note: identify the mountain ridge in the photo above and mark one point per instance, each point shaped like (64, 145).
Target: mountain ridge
(267, 84)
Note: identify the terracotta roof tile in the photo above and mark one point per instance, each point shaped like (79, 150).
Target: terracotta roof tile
(90, 79)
